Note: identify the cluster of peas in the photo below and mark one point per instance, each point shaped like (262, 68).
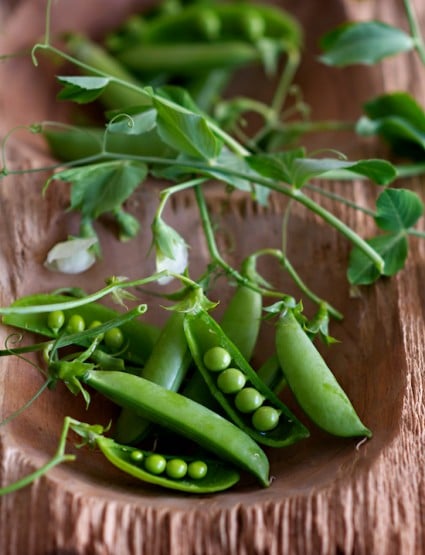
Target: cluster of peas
(247, 399)
(154, 463)
(112, 338)
(174, 468)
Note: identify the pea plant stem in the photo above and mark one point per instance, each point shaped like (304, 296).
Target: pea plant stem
(216, 256)
(284, 261)
(74, 303)
(59, 457)
(415, 30)
(287, 190)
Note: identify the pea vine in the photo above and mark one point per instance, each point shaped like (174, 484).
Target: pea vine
(172, 132)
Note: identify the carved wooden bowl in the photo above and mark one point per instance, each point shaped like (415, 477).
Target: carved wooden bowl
(328, 496)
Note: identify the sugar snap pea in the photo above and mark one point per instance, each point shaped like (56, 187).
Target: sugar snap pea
(166, 366)
(216, 22)
(241, 323)
(139, 336)
(175, 412)
(183, 473)
(242, 317)
(203, 334)
(312, 382)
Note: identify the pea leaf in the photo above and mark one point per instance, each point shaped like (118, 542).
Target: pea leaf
(366, 42)
(186, 131)
(398, 119)
(102, 187)
(398, 209)
(133, 122)
(392, 246)
(304, 169)
(277, 166)
(82, 89)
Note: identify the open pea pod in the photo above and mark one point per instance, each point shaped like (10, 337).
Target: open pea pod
(266, 419)
(139, 337)
(218, 475)
(171, 410)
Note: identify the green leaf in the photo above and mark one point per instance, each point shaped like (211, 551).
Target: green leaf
(399, 120)
(363, 43)
(137, 123)
(279, 166)
(102, 187)
(82, 89)
(393, 247)
(398, 209)
(304, 169)
(186, 131)
(294, 168)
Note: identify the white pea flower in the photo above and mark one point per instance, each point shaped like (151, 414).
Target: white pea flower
(72, 257)
(170, 249)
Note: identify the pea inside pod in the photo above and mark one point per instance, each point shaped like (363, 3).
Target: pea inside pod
(139, 337)
(182, 473)
(172, 411)
(204, 337)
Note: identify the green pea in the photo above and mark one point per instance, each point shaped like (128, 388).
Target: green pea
(231, 380)
(197, 470)
(208, 23)
(253, 24)
(265, 418)
(217, 359)
(248, 400)
(76, 324)
(95, 324)
(55, 320)
(176, 468)
(155, 464)
(137, 456)
(113, 339)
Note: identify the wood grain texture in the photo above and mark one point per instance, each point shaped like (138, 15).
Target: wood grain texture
(328, 497)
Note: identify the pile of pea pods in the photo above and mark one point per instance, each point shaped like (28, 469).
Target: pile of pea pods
(191, 378)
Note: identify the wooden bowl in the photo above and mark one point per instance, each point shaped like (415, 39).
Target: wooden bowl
(328, 496)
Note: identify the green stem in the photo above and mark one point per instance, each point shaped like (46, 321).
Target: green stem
(287, 190)
(216, 256)
(415, 30)
(285, 81)
(166, 193)
(114, 286)
(58, 458)
(308, 292)
(341, 200)
(340, 226)
(284, 261)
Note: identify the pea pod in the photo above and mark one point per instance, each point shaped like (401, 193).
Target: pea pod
(80, 142)
(218, 478)
(166, 366)
(168, 471)
(270, 372)
(242, 318)
(139, 336)
(204, 334)
(215, 23)
(168, 57)
(177, 413)
(312, 382)
(241, 323)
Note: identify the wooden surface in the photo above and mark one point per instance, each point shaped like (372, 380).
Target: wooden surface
(328, 496)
